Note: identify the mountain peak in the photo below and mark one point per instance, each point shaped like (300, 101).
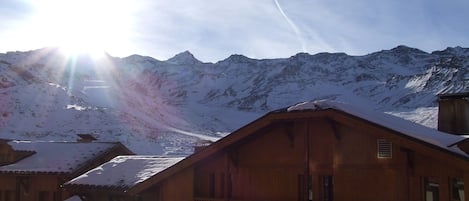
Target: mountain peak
(237, 58)
(185, 57)
(402, 49)
(458, 51)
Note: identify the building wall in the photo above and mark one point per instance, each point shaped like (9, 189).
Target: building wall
(177, 187)
(359, 173)
(324, 160)
(30, 187)
(7, 191)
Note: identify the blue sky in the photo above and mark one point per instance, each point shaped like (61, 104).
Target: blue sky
(213, 30)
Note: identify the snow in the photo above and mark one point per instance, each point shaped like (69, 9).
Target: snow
(199, 136)
(164, 107)
(183, 58)
(54, 157)
(125, 171)
(75, 107)
(74, 198)
(432, 136)
(426, 116)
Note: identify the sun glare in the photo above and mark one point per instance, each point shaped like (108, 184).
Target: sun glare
(74, 49)
(84, 26)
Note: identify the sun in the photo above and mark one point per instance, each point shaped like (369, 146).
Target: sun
(82, 46)
(84, 26)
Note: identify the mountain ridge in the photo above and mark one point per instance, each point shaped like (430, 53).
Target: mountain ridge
(165, 107)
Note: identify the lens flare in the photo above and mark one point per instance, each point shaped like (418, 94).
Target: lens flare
(84, 26)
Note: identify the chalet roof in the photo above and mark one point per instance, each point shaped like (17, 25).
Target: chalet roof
(441, 139)
(54, 157)
(123, 172)
(436, 139)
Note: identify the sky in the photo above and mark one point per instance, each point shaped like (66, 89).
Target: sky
(213, 30)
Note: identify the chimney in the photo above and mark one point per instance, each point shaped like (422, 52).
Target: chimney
(86, 138)
(453, 113)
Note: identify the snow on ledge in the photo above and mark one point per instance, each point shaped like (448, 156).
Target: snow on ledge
(313, 105)
(74, 198)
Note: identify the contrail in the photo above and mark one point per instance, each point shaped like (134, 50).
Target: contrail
(292, 25)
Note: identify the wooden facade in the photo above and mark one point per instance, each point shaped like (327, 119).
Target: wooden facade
(20, 183)
(453, 113)
(323, 155)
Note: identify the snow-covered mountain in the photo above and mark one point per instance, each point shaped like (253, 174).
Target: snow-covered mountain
(165, 107)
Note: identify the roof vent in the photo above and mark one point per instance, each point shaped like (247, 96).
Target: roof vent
(384, 148)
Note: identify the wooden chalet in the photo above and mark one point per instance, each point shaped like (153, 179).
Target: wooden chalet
(35, 170)
(318, 150)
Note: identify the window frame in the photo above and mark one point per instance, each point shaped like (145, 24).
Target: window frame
(456, 185)
(431, 186)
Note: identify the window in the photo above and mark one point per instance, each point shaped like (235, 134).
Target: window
(432, 189)
(24, 185)
(384, 148)
(327, 188)
(457, 188)
(305, 187)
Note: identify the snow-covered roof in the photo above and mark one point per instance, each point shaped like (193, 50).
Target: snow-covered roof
(54, 157)
(124, 172)
(441, 139)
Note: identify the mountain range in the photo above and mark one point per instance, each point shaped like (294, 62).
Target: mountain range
(167, 107)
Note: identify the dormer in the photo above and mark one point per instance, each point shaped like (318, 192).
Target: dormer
(8, 155)
(453, 113)
(5, 152)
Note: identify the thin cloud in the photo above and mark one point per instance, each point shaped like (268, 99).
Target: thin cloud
(213, 30)
(224, 28)
(292, 25)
